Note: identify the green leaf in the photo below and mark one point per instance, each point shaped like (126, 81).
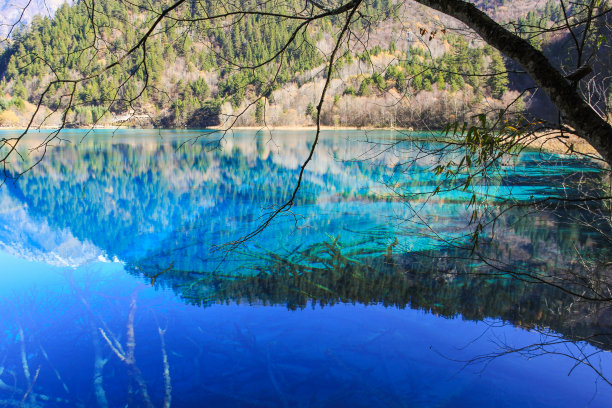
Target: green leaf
(601, 39)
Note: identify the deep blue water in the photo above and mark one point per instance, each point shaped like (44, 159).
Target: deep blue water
(125, 231)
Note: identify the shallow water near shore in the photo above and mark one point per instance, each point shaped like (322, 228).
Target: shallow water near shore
(117, 288)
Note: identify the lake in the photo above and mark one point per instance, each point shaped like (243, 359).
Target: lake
(125, 282)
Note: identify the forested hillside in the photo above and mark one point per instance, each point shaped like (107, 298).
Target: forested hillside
(415, 70)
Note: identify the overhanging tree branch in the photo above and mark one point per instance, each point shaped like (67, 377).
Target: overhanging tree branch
(587, 123)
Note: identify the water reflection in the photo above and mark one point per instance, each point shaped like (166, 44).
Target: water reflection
(324, 275)
(157, 207)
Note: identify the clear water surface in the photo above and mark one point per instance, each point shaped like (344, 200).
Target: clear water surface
(117, 290)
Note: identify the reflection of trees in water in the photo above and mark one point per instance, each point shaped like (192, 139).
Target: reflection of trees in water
(127, 197)
(154, 206)
(103, 338)
(160, 210)
(575, 349)
(439, 282)
(109, 194)
(443, 282)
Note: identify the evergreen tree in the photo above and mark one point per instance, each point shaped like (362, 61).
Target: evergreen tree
(498, 81)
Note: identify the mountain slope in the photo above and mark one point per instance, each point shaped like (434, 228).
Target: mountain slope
(186, 79)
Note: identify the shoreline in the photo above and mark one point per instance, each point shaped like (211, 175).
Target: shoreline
(314, 128)
(566, 144)
(217, 128)
(551, 142)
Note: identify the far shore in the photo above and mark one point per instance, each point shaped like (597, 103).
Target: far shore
(555, 142)
(314, 128)
(552, 142)
(213, 128)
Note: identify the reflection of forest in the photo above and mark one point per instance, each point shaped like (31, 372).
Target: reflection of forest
(440, 282)
(135, 197)
(159, 208)
(125, 197)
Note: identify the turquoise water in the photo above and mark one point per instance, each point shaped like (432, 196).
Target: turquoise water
(117, 290)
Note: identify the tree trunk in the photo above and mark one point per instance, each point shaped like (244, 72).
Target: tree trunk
(576, 112)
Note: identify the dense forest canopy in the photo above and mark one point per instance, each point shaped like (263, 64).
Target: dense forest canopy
(193, 67)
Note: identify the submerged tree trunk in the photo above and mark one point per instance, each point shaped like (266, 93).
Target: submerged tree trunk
(586, 122)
